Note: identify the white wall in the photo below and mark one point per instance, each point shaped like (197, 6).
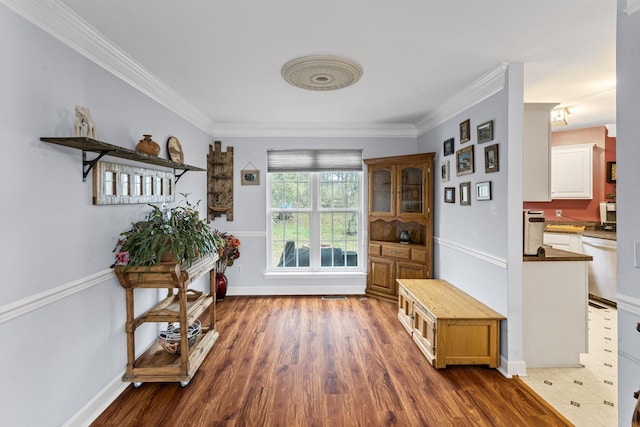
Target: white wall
(250, 217)
(628, 153)
(61, 309)
(472, 243)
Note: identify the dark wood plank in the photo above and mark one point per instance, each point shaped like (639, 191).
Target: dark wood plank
(303, 361)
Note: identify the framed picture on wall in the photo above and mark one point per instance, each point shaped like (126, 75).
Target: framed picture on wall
(611, 172)
(444, 171)
(485, 132)
(448, 147)
(465, 193)
(464, 161)
(449, 194)
(465, 131)
(483, 190)
(491, 160)
(250, 177)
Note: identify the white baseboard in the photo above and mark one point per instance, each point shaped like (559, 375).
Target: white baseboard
(511, 368)
(295, 290)
(92, 409)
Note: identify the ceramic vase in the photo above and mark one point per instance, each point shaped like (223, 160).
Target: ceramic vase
(148, 146)
(221, 286)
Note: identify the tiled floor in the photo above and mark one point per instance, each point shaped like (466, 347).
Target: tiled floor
(586, 396)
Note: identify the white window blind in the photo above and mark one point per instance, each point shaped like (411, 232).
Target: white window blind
(313, 160)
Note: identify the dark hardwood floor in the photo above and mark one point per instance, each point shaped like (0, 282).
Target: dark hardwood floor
(303, 361)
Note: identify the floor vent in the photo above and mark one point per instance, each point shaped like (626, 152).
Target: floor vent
(334, 298)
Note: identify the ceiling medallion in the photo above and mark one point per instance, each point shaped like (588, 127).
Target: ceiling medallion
(321, 72)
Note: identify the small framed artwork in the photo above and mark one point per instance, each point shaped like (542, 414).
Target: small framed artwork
(444, 171)
(449, 194)
(491, 160)
(485, 132)
(483, 190)
(465, 193)
(448, 147)
(464, 161)
(611, 172)
(250, 177)
(465, 131)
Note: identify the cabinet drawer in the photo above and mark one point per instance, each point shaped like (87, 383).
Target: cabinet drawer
(375, 250)
(411, 270)
(396, 252)
(419, 255)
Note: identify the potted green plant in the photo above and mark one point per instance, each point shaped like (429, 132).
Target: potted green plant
(166, 234)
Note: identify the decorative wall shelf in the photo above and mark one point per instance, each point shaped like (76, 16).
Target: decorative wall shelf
(219, 182)
(105, 149)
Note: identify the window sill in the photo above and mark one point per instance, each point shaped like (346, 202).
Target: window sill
(313, 274)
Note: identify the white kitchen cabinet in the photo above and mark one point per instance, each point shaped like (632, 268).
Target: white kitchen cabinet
(536, 152)
(572, 171)
(564, 241)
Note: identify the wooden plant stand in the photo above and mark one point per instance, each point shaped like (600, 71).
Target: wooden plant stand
(184, 306)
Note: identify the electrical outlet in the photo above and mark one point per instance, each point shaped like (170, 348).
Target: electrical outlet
(238, 268)
(559, 213)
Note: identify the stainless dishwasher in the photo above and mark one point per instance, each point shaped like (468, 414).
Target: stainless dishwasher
(603, 274)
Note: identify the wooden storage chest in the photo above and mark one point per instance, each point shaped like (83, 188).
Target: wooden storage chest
(449, 326)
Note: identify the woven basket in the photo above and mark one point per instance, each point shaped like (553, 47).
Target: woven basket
(169, 339)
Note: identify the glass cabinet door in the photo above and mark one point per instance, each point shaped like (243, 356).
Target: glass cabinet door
(381, 195)
(411, 198)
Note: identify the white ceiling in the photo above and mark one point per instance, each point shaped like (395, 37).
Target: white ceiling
(224, 57)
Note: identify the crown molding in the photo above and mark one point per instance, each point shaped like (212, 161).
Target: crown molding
(633, 6)
(488, 85)
(311, 130)
(65, 25)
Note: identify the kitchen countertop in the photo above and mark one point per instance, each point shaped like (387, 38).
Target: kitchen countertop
(551, 254)
(595, 231)
(608, 235)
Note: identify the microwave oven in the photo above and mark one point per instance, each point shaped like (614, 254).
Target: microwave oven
(607, 212)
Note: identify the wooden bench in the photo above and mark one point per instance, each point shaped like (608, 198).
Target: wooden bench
(449, 326)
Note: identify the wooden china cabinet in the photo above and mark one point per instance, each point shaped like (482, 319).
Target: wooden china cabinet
(400, 200)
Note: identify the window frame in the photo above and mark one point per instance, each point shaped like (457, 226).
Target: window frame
(315, 212)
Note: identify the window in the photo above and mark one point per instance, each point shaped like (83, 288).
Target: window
(315, 216)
